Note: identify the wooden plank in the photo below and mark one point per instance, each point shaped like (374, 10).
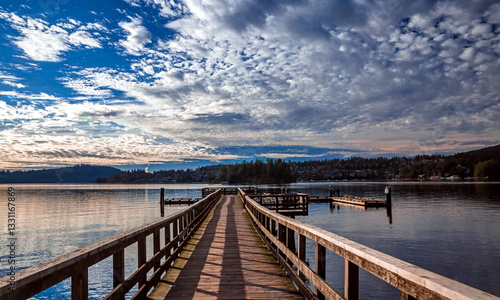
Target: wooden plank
(225, 259)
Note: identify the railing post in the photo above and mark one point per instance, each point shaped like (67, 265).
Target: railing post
(302, 252)
(266, 221)
(156, 246)
(405, 296)
(175, 231)
(167, 238)
(320, 266)
(290, 241)
(351, 280)
(273, 227)
(80, 285)
(141, 259)
(119, 270)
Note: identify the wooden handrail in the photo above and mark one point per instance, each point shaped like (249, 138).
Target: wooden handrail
(74, 265)
(412, 281)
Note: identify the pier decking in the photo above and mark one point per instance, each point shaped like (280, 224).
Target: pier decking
(225, 259)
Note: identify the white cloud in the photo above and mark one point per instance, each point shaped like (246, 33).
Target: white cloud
(79, 38)
(138, 36)
(467, 54)
(14, 84)
(41, 41)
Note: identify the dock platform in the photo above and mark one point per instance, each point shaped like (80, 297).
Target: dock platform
(180, 201)
(351, 200)
(366, 202)
(225, 259)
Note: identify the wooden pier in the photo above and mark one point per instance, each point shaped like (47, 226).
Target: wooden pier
(214, 249)
(225, 259)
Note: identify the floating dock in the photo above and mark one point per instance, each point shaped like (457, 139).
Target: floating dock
(352, 200)
(367, 202)
(181, 201)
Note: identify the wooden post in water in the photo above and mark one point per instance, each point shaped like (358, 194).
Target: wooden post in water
(388, 195)
(162, 202)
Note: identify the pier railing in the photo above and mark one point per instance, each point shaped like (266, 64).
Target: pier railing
(287, 204)
(177, 229)
(286, 238)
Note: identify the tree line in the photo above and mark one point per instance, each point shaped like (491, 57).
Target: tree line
(255, 171)
(482, 164)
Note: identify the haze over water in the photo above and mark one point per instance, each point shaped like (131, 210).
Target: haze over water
(450, 229)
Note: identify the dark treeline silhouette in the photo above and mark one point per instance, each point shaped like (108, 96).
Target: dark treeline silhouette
(74, 174)
(258, 171)
(482, 164)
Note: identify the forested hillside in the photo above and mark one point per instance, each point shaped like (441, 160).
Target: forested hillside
(483, 164)
(258, 171)
(75, 174)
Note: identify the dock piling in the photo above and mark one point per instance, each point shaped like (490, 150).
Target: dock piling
(388, 195)
(162, 202)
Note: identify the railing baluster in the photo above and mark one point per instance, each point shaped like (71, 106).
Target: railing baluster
(273, 227)
(320, 266)
(156, 246)
(351, 280)
(80, 285)
(176, 231)
(167, 237)
(119, 270)
(141, 258)
(302, 252)
(405, 296)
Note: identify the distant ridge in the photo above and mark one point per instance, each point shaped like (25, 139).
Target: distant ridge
(75, 174)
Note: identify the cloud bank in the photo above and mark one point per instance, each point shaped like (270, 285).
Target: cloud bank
(201, 77)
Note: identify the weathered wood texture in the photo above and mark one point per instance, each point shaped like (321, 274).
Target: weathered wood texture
(225, 259)
(412, 281)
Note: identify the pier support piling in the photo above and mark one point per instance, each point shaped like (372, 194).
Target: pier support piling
(162, 202)
(388, 195)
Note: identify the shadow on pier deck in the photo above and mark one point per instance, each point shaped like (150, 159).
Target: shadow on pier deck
(225, 259)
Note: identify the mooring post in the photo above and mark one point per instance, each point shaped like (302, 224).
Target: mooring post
(162, 202)
(388, 196)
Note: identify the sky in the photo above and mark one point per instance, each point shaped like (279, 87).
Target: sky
(175, 84)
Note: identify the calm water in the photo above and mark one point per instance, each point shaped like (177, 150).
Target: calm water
(450, 229)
